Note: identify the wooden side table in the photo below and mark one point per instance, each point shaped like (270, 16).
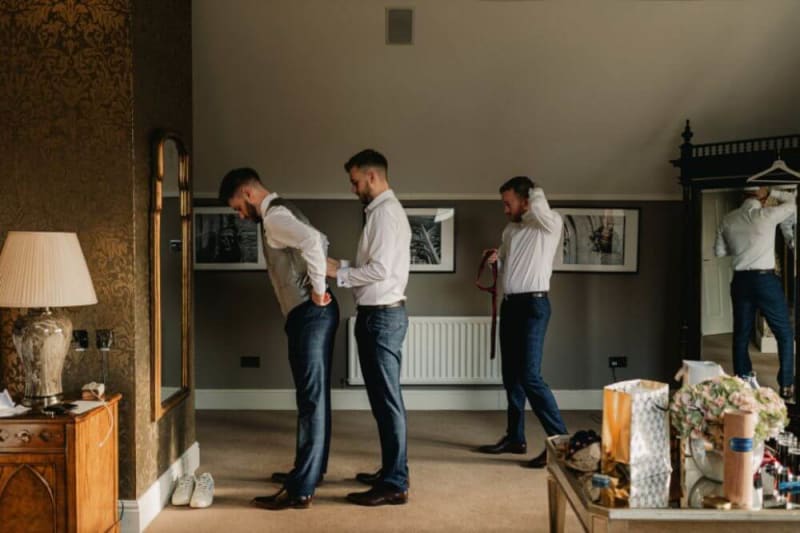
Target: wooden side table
(60, 473)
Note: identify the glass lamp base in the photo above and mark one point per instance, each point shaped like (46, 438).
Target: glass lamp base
(41, 338)
(40, 402)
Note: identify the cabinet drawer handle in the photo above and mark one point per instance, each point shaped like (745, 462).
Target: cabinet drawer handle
(45, 435)
(24, 435)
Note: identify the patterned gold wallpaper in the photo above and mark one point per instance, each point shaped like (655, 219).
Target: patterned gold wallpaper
(70, 161)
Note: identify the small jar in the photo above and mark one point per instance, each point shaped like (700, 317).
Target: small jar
(599, 483)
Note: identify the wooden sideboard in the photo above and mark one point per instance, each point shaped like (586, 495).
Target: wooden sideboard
(60, 473)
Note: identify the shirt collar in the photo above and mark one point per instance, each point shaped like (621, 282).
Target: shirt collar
(378, 200)
(265, 203)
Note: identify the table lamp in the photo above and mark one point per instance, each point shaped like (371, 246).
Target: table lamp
(40, 271)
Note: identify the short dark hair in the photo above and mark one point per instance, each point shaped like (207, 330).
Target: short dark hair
(521, 185)
(235, 179)
(367, 158)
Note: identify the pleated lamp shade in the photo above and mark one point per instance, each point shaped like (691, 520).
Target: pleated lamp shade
(44, 269)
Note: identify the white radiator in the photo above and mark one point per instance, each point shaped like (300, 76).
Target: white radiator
(439, 351)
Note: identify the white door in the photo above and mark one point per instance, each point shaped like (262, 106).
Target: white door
(717, 311)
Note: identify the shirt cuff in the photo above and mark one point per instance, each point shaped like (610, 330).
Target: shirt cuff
(318, 285)
(781, 195)
(343, 277)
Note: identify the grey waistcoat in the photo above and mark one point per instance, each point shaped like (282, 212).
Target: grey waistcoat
(287, 269)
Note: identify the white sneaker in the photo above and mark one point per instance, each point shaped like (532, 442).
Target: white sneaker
(203, 493)
(183, 490)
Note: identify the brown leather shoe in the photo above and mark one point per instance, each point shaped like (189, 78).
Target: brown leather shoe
(281, 500)
(540, 461)
(379, 495)
(504, 446)
(281, 477)
(369, 479)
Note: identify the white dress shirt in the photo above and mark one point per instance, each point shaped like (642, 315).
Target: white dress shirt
(283, 230)
(529, 247)
(383, 259)
(747, 234)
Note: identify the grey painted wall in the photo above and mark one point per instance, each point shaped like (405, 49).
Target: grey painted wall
(591, 95)
(594, 315)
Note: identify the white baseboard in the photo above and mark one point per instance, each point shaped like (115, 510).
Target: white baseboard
(461, 399)
(137, 514)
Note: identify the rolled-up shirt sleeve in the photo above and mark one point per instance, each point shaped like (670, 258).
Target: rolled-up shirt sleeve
(285, 230)
(539, 212)
(785, 209)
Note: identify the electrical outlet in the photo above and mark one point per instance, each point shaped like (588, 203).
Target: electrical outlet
(104, 339)
(248, 361)
(618, 362)
(80, 340)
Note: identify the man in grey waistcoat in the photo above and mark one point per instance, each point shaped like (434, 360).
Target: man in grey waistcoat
(295, 253)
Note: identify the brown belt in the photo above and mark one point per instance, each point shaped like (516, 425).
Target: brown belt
(491, 289)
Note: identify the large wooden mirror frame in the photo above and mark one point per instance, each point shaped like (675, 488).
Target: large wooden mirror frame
(165, 168)
(722, 165)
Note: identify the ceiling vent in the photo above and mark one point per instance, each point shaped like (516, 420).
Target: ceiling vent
(399, 26)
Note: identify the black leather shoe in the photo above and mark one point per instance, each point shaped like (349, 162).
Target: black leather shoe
(281, 477)
(372, 479)
(540, 461)
(281, 500)
(504, 446)
(379, 495)
(787, 393)
(369, 479)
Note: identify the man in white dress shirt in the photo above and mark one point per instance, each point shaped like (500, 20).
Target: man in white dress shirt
(378, 279)
(525, 261)
(295, 253)
(747, 234)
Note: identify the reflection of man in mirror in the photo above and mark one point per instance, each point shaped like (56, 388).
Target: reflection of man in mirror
(747, 234)
(228, 250)
(295, 252)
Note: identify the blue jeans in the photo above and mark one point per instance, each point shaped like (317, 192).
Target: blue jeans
(379, 335)
(751, 290)
(310, 330)
(523, 324)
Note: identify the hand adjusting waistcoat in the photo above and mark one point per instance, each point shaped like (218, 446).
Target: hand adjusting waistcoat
(287, 269)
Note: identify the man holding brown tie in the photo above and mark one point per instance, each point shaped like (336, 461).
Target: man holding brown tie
(525, 261)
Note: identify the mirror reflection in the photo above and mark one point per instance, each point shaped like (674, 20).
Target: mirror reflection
(171, 275)
(748, 291)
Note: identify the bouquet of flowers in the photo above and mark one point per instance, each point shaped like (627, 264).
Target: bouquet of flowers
(697, 411)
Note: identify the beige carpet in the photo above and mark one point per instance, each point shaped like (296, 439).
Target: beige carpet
(452, 487)
(717, 348)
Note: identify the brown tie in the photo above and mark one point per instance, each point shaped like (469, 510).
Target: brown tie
(492, 289)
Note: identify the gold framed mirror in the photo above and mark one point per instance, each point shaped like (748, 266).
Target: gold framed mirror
(170, 273)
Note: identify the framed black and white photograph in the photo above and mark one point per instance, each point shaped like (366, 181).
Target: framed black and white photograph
(598, 240)
(432, 239)
(223, 241)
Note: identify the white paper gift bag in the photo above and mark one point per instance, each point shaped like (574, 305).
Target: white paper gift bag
(636, 438)
(650, 492)
(636, 427)
(694, 372)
